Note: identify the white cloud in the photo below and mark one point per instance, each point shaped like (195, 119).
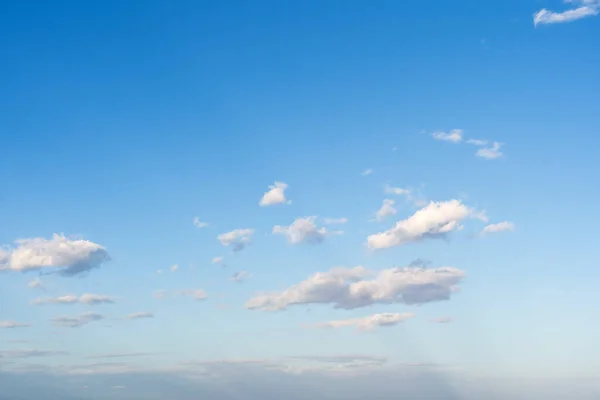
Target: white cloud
(196, 294)
(433, 221)
(238, 239)
(499, 227)
(12, 325)
(367, 171)
(442, 320)
(174, 268)
(240, 276)
(415, 198)
(346, 288)
(335, 221)
(387, 209)
(69, 257)
(140, 315)
(218, 260)
(86, 298)
(387, 189)
(200, 224)
(584, 8)
(275, 195)
(370, 322)
(477, 142)
(454, 136)
(490, 153)
(36, 284)
(302, 230)
(76, 322)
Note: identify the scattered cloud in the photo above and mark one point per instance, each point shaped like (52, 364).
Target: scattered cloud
(368, 323)
(28, 353)
(275, 195)
(335, 221)
(78, 321)
(387, 209)
(415, 198)
(433, 221)
(476, 142)
(442, 320)
(12, 325)
(583, 9)
(302, 230)
(36, 283)
(490, 153)
(196, 294)
(140, 315)
(367, 171)
(347, 288)
(240, 276)
(68, 257)
(498, 227)
(237, 239)
(387, 189)
(86, 298)
(200, 224)
(454, 136)
(174, 268)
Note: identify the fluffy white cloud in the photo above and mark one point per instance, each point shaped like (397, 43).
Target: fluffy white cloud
(86, 298)
(442, 320)
(140, 315)
(454, 136)
(238, 239)
(335, 221)
(347, 288)
(76, 322)
(367, 171)
(499, 227)
(302, 230)
(275, 195)
(370, 322)
(490, 153)
(12, 325)
(583, 8)
(200, 224)
(387, 209)
(36, 284)
(70, 257)
(240, 276)
(433, 221)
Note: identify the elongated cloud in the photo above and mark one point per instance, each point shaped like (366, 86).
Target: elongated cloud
(347, 288)
(583, 9)
(78, 321)
(28, 353)
(432, 221)
(86, 298)
(370, 322)
(454, 136)
(499, 227)
(237, 239)
(140, 315)
(302, 230)
(442, 320)
(12, 325)
(275, 195)
(335, 221)
(69, 257)
(36, 283)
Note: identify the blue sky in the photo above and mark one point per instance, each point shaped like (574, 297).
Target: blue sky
(123, 122)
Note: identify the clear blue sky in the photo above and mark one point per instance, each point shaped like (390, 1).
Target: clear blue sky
(123, 121)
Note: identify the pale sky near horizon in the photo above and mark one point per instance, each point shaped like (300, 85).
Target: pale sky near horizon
(333, 198)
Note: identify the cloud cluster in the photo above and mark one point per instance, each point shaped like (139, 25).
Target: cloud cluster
(433, 221)
(275, 195)
(237, 239)
(302, 230)
(456, 136)
(69, 257)
(78, 321)
(86, 298)
(370, 322)
(347, 288)
(582, 9)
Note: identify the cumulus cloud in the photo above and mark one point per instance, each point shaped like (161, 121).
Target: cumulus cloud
(433, 221)
(367, 171)
(76, 322)
(275, 195)
(237, 239)
(140, 315)
(86, 298)
(387, 209)
(200, 224)
(240, 276)
(335, 221)
(347, 288)
(368, 323)
(583, 9)
(490, 153)
(498, 227)
(442, 320)
(68, 257)
(28, 353)
(454, 136)
(302, 230)
(12, 325)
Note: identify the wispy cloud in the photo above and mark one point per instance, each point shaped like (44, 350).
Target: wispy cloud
(29, 353)
(583, 9)
(140, 315)
(78, 321)
(498, 227)
(368, 323)
(454, 136)
(335, 221)
(442, 320)
(13, 325)
(240, 276)
(367, 171)
(86, 298)
(387, 209)
(490, 153)
(200, 224)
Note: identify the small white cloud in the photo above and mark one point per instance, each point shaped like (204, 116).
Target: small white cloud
(196, 294)
(140, 315)
(76, 322)
(302, 230)
(174, 268)
(477, 142)
(86, 298)
(442, 320)
(200, 224)
(238, 239)
(12, 325)
(584, 8)
(240, 276)
(433, 221)
(415, 198)
(387, 189)
(498, 227)
(490, 153)
(367, 171)
(36, 284)
(454, 136)
(69, 257)
(275, 195)
(335, 221)
(369, 323)
(218, 260)
(387, 209)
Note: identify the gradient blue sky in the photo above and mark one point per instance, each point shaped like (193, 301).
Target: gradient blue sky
(122, 121)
